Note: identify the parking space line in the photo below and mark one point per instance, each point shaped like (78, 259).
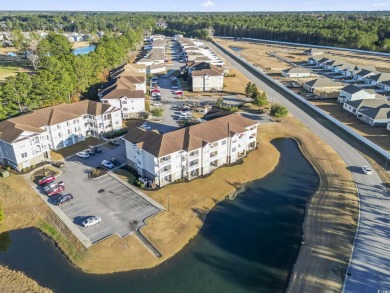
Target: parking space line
(103, 180)
(68, 208)
(89, 236)
(147, 211)
(72, 205)
(78, 211)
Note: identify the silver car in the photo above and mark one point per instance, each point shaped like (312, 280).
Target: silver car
(92, 221)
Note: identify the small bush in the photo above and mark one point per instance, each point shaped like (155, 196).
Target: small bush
(7, 168)
(1, 214)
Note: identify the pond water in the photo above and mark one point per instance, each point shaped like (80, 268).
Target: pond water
(248, 244)
(236, 49)
(84, 50)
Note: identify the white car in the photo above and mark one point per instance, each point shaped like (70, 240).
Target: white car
(107, 164)
(367, 170)
(92, 221)
(83, 155)
(156, 104)
(146, 127)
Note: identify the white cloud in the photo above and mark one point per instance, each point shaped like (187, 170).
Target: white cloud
(381, 4)
(208, 3)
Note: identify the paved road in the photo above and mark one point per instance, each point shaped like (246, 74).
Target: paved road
(370, 266)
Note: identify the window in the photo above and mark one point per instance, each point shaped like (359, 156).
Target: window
(125, 109)
(124, 102)
(117, 122)
(24, 155)
(234, 149)
(224, 142)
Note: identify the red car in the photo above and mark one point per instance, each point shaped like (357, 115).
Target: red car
(47, 179)
(178, 92)
(55, 190)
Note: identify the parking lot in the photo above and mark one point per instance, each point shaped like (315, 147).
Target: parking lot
(122, 207)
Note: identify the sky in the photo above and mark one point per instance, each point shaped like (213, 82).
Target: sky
(196, 5)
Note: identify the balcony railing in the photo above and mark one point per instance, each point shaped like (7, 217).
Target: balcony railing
(165, 162)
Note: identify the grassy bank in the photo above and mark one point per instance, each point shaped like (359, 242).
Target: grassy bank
(189, 202)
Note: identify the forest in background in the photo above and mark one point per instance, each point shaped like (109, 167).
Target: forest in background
(358, 30)
(59, 76)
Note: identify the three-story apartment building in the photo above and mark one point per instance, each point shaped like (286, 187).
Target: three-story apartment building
(27, 139)
(190, 152)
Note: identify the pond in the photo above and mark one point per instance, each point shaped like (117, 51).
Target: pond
(248, 244)
(84, 50)
(236, 49)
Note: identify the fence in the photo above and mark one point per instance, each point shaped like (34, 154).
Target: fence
(276, 85)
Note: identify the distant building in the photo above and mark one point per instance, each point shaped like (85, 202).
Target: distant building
(313, 52)
(296, 72)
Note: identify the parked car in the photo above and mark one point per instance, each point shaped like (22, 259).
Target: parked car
(58, 164)
(83, 155)
(156, 104)
(175, 87)
(46, 180)
(179, 93)
(366, 170)
(154, 77)
(92, 221)
(115, 162)
(155, 91)
(55, 190)
(53, 185)
(157, 98)
(146, 127)
(95, 148)
(114, 142)
(63, 199)
(90, 152)
(181, 60)
(154, 94)
(107, 164)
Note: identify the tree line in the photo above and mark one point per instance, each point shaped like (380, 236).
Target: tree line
(59, 75)
(368, 31)
(358, 30)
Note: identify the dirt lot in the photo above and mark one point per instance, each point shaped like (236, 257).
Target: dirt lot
(256, 53)
(378, 135)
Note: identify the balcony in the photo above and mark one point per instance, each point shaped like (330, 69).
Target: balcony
(193, 155)
(165, 171)
(214, 155)
(165, 162)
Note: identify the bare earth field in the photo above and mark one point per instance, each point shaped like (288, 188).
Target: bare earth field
(378, 135)
(330, 245)
(256, 53)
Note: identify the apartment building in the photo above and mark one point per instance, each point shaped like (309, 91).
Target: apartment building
(27, 139)
(125, 91)
(352, 93)
(192, 151)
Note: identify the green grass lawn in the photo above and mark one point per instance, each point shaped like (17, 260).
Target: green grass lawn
(125, 175)
(71, 150)
(11, 65)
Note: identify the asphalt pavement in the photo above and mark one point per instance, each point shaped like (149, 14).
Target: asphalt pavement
(369, 270)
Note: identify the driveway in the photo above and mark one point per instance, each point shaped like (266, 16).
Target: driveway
(122, 207)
